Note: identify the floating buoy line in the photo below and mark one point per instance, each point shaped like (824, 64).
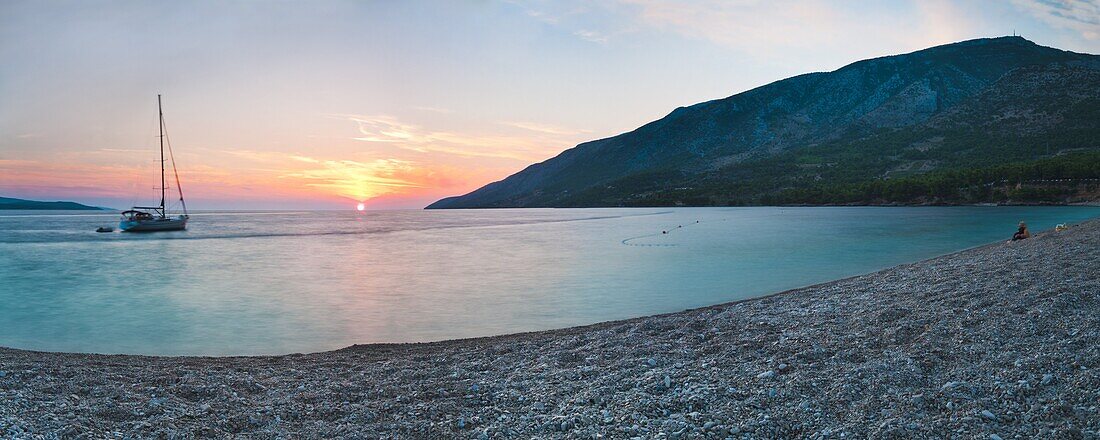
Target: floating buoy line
(664, 232)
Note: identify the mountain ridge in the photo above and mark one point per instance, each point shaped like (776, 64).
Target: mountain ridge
(860, 99)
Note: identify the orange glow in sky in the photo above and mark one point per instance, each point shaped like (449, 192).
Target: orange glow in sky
(398, 104)
(379, 162)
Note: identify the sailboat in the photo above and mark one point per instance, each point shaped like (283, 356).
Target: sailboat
(155, 218)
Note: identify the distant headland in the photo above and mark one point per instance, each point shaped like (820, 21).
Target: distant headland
(7, 203)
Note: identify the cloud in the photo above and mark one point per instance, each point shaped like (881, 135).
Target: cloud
(230, 177)
(389, 131)
(304, 159)
(405, 165)
(381, 128)
(353, 179)
(47, 178)
(385, 181)
(1081, 16)
(123, 150)
(224, 174)
(542, 16)
(359, 180)
(570, 16)
(593, 36)
(433, 109)
(776, 30)
(360, 176)
(544, 128)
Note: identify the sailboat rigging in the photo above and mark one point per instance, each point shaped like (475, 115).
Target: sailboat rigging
(155, 218)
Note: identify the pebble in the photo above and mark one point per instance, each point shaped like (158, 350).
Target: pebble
(930, 372)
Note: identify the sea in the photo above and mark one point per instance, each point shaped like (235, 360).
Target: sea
(248, 283)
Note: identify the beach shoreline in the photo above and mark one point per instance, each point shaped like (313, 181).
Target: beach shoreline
(989, 341)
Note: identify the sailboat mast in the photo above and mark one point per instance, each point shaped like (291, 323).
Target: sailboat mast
(160, 114)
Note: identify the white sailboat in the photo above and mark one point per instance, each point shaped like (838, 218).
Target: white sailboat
(155, 218)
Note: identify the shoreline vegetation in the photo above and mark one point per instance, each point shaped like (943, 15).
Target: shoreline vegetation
(997, 341)
(1067, 179)
(7, 203)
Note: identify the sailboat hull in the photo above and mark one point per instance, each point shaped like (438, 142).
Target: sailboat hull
(154, 225)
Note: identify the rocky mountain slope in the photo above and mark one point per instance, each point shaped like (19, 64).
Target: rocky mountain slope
(754, 146)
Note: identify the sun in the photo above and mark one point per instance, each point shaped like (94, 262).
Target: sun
(361, 207)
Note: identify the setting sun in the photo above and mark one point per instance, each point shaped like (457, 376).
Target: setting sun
(360, 206)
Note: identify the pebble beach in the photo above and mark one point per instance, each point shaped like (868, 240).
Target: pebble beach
(996, 342)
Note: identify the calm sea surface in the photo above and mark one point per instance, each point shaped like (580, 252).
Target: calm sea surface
(283, 282)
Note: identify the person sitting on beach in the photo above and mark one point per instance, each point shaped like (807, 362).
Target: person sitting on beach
(1022, 233)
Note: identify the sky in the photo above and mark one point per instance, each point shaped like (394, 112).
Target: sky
(326, 104)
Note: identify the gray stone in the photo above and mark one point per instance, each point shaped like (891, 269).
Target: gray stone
(854, 373)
